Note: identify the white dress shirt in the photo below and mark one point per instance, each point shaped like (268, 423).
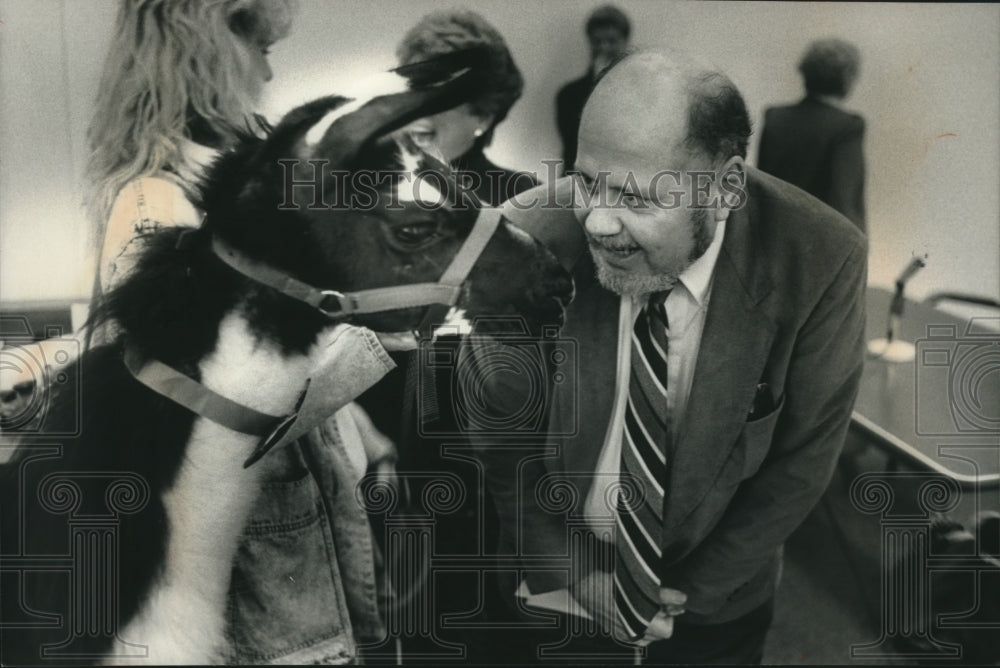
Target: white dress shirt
(686, 307)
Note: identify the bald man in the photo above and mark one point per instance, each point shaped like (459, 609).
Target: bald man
(718, 327)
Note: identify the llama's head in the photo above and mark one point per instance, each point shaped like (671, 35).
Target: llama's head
(338, 198)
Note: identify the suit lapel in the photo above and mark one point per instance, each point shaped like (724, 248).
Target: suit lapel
(731, 359)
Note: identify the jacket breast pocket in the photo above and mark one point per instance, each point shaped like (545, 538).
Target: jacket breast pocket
(286, 601)
(755, 440)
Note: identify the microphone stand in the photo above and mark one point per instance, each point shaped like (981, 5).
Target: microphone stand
(890, 348)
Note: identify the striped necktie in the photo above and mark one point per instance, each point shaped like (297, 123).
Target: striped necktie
(643, 473)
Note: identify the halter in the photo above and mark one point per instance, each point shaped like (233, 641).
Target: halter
(340, 305)
(200, 400)
(335, 305)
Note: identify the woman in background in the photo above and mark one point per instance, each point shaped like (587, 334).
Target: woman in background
(461, 134)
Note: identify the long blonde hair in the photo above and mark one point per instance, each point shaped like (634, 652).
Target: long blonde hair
(170, 62)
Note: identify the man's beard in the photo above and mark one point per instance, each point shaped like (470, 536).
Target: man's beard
(629, 284)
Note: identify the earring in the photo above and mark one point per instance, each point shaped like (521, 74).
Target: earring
(477, 133)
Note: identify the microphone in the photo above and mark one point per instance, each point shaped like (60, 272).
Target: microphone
(890, 349)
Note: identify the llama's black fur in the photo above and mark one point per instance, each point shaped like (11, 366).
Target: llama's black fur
(170, 309)
(141, 433)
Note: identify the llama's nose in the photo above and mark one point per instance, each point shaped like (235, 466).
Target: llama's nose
(563, 288)
(554, 293)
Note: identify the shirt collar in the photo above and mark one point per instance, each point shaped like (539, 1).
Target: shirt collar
(698, 277)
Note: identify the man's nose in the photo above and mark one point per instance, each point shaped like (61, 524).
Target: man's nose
(603, 221)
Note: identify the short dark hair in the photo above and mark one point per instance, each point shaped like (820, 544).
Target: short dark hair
(442, 32)
(609, 16)
(718, 124)
(830, 66)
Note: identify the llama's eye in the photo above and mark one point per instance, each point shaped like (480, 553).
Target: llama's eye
(415, 233)
(423, 138)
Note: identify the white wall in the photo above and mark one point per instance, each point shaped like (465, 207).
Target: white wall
(51, 52)
(928, 89)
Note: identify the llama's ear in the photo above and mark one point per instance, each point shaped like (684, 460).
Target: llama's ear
(437, 70)
(283, 140)
(434, 86)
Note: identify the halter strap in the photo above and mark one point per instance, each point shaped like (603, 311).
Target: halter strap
(461, 265)
(200, 400)
(331, 303)
(336, 304)
(475, 243)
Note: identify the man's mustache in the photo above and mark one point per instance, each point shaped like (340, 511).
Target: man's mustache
(612, 243)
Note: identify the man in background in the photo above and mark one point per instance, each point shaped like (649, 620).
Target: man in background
(815, 144)
(608, 31)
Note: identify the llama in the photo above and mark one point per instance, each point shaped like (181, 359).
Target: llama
(214, 304)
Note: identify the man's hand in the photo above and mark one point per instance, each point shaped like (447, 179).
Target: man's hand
(20, 375)
(672, 601)
(662, 626)
(596, 593)
(17, 385)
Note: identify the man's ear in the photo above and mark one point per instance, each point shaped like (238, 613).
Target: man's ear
(731, 187)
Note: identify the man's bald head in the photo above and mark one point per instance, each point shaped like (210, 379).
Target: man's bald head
(661, 145)
(672, 102)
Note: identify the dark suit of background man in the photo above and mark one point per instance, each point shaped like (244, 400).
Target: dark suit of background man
(815, 144)
(608, 32)
(762, 341)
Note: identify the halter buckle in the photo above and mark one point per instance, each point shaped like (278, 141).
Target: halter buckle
(336, 304)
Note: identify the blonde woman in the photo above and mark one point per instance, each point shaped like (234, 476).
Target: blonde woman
(182, 78)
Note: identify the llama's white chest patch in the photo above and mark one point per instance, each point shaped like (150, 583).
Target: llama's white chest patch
(211, 497)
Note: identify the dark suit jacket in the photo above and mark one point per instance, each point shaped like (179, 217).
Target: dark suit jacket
(787, 309)
(569, 106)
(817, 147)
